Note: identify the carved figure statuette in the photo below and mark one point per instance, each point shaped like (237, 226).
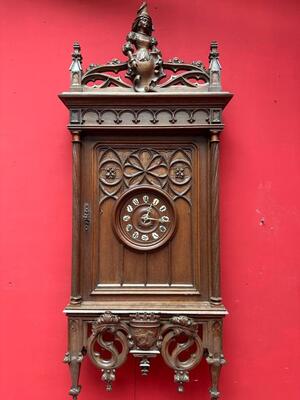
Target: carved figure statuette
(145, 62)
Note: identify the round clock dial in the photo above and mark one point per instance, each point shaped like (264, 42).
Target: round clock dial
(144, 218)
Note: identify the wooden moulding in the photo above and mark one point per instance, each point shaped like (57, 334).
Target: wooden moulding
(76, 174)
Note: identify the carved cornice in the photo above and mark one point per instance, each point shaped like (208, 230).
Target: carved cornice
(144, 117)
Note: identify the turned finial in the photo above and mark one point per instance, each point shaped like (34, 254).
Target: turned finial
(214, 68)
(76, 67)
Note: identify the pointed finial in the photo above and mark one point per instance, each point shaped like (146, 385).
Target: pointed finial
(76, 67)
(213, 50)
(214, 68)
(143, 11)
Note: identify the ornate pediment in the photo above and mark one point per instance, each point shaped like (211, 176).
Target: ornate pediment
(145, 70)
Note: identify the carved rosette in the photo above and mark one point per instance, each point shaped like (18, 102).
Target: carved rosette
(180, 174)
(167, 169)
(146, 166)
(110, 174)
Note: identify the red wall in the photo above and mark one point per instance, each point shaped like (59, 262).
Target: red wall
(259, 45)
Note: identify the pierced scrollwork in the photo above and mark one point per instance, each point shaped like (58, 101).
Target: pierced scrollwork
(192, 75)
(110, 335)
(101, 73)
(167, 169)
(145, 67)
(145, 335)
(181, 339)
(186, 74)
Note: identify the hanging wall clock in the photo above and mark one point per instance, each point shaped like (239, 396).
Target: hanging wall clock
(145, 259)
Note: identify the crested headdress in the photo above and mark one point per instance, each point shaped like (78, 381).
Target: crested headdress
(142, 13)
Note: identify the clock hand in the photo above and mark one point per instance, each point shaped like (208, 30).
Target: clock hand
(156, 219)
(146, 216)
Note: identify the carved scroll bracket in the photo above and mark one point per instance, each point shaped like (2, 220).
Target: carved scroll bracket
(181, 332)
(110, 334)
(145, 336)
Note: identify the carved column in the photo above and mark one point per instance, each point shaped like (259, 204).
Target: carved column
(215, 295)
(215, 356)
(75, 289)
(75, 354)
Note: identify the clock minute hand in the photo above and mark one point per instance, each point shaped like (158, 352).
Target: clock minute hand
(156, 219)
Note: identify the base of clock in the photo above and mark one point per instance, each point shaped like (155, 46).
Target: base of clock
(181, 338)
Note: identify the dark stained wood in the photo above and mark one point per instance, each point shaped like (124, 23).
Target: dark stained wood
(75, 290)
(215, 240)
(157, 133)
(75, 353)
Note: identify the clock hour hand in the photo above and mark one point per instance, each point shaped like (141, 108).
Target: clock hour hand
(146, 216)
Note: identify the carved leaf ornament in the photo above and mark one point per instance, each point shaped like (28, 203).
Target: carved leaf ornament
(169, 170)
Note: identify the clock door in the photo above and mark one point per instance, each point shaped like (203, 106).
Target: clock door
(145, 204)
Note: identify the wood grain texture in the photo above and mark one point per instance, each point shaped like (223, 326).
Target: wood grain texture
(157, 289)
(116, 167)
(76, 212)
(215, 229)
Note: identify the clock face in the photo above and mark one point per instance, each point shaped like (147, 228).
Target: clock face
(144, 218)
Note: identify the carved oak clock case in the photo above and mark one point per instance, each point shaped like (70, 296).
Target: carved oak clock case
(145, 273)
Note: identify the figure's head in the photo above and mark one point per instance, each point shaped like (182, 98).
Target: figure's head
(143, 21)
